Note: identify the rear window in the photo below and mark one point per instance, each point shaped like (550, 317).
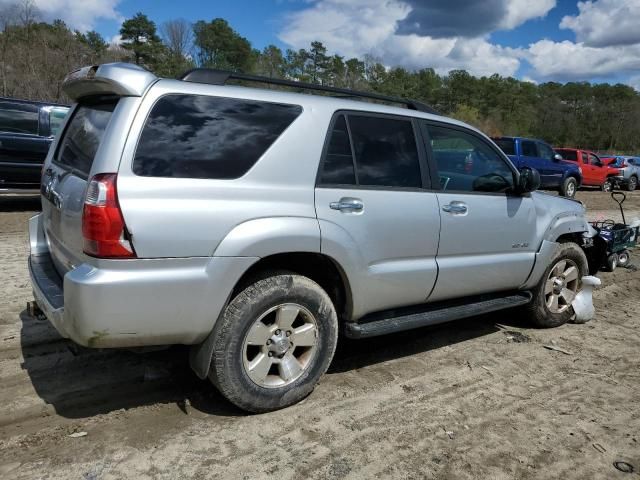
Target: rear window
(18, 119)
(196, 136)
(568, 155)
(507, 145)
(82, 137)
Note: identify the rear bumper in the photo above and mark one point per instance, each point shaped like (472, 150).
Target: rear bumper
(138, 302)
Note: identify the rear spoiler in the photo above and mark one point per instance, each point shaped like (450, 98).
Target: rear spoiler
(122, 79)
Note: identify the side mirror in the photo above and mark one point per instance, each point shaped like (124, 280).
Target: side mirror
(557, 157)
(529, 180)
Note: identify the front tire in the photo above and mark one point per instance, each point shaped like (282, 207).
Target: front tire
(607, 186)
(275, 340)
(632, 184)
(552, 297)
(569, 188)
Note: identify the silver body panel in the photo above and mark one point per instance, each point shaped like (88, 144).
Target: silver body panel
(195, 238)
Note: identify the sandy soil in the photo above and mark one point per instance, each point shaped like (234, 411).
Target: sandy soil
(481, 398)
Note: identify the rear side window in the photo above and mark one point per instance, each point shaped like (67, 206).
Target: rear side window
(529, 149)
(545, 151)
(197, 136)
(386, 151)
(507, 145)
(14, 119)
(337, 168)
(82, 137)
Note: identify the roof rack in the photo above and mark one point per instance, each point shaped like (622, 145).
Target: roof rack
(220, 77)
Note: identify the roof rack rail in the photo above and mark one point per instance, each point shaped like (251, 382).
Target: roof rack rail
(220, 77)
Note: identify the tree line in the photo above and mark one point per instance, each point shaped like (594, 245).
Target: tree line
(35, 56)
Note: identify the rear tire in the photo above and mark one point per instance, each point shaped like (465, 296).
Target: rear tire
(552, 297)
(569, 187)
(632, 184)
(275, 340)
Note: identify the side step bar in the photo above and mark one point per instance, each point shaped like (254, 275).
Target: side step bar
(432, 314)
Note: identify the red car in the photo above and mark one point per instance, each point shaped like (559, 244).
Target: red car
(595, 172)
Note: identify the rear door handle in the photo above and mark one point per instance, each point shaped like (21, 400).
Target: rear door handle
(347, 205)
(456, 208)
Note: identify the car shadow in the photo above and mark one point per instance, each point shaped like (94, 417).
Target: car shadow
(81, 382)
(20, 203)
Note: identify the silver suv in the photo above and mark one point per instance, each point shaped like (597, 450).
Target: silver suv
(255, 224)
(629, 173)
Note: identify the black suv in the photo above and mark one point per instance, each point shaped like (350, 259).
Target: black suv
(27, 129)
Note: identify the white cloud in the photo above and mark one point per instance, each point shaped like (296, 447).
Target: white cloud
(519, 11)
(605, 22)
(77, 14)
(358, 27)
(568, 60)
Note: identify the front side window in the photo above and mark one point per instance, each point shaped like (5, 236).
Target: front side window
(82, 137)
(593, 160)
(529, 148)
(15, 119)
(467, 163)
(386, 151)
(197, 136)
(585, 158)
(545, 151)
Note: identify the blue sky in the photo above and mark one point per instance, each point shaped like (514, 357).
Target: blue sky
(537, 40)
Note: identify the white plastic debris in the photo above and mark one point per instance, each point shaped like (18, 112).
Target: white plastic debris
(78, 434)
(583, 303)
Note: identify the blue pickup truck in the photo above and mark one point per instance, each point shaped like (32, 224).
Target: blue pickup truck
(555, 173)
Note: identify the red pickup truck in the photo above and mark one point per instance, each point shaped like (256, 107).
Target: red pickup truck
(595, 172)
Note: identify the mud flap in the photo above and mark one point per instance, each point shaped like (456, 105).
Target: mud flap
(583, 303)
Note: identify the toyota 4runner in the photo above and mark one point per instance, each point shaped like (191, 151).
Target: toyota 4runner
(255, 224)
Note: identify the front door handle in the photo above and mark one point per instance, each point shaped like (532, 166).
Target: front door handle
(456, 208)
(347, 205)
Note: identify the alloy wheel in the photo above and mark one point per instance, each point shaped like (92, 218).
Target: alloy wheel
(561, 286)
(280, 345)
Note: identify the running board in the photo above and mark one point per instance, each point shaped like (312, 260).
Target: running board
(431, 314)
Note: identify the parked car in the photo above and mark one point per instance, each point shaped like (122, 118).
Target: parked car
(555, 173)
(27, 129)
(628, 168)
(595, 172)
(253, 224)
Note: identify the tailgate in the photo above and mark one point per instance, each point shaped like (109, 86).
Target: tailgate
(64, 181)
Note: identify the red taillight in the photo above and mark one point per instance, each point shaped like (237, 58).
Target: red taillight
(105, 234)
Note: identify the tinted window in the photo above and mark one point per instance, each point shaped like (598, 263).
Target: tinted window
(569, 155)
(386, 151)
(585, 158)
(593, 160)
(15, 119)
(507, 145)
(82, 137)
(529, 148)
(467, 163)
(631, 161)
(545, 151)
(196, 136)
(56, 119)
(337, 167)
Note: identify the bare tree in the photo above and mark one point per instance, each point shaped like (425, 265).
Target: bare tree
(177, 35)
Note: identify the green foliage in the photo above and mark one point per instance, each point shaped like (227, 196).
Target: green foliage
(220, 46)
(139, 36)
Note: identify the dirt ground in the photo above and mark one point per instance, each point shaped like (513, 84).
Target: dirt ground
(480, 398)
